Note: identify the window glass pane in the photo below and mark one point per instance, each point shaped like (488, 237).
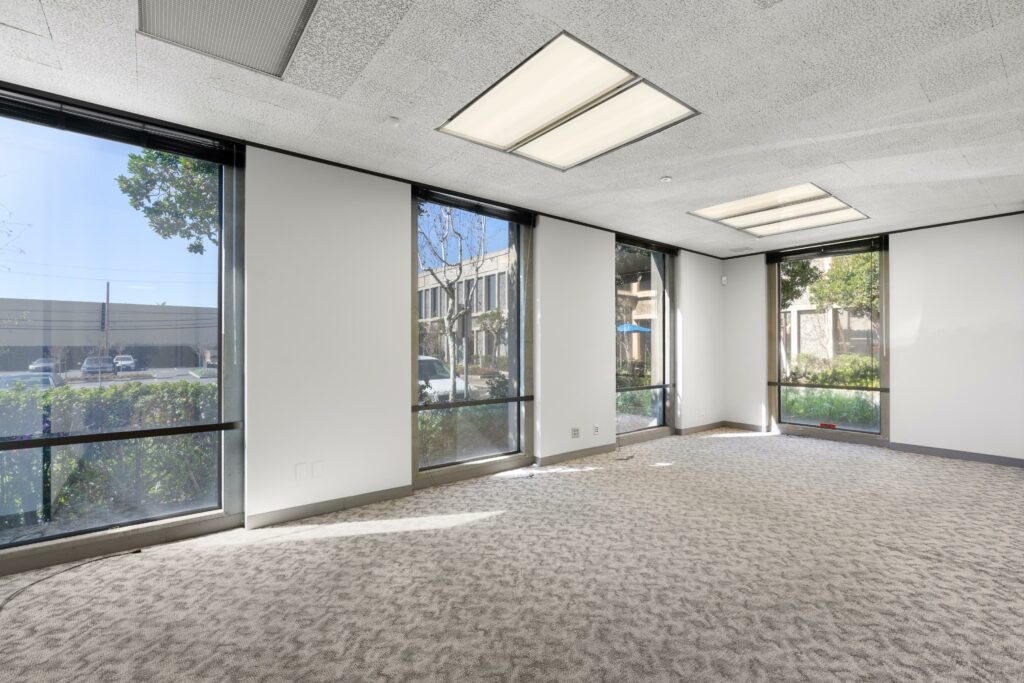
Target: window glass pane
(70, 489)
(469, 351)
(832, 408)
(829, 336)
(639, 324)
(830, 322)
(109, 297)
(639, 409)
(452, 435)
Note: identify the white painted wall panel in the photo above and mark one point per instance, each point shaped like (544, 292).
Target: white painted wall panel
(744, 340)
(699, 319)
(328, 349)
(957, 335)
(574, 336)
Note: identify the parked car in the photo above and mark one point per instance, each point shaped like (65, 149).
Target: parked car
(435, 379)
(34, 380)
(123, 363)
(45, 365)
(96, 365)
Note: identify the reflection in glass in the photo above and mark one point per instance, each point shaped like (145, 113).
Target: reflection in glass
(109, 315)
(639, 409)
(47, 492)
(452, 435)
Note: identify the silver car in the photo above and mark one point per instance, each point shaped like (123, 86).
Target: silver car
(45, 365)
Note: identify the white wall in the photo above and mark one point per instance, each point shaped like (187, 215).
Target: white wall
(574, 336)
(700, 360)
(328, 348)
(744, 341)
(957, 337)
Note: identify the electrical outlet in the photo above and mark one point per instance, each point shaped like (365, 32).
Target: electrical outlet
(574, 433)
(597, 429)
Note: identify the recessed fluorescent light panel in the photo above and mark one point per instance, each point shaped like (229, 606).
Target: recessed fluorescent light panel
(257, 34)
(800, 207)
(566, 104)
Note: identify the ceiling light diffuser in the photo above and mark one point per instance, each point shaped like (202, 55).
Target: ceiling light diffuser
(808, 208)
(799, 207)
(629, 115)
(561, 77)
(762, 202)
(566, 104)
(806, 222)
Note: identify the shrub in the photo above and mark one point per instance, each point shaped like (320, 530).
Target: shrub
(833, 406)
(114, 481)
(634, 402)
(453, 434)
(498, 386)
(853, 370)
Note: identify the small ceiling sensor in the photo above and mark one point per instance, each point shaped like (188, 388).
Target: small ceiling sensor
(665, 179)
(394, 121)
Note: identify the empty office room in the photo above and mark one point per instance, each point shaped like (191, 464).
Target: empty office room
(422, 340)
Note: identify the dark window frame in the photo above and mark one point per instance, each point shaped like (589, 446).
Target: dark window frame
(475, 306)
(666, 384)
(97, 122)
(774, 261)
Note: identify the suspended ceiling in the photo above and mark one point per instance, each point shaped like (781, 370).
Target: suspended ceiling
(912, 111)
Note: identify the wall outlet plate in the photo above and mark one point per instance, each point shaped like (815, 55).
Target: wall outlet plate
(574, 433)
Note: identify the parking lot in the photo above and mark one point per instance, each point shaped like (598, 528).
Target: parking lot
(75, 378)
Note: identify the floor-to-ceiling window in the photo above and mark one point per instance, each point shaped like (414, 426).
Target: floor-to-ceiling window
(469, 374)
(830, 341)
(120, 376)
(641, 335)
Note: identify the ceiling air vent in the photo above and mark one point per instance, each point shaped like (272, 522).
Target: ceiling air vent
(257, 34)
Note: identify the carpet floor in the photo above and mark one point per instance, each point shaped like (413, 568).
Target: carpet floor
(718, 556)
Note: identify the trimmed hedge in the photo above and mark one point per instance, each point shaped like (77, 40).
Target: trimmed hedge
(853, 370)
(109, 482)
(834, 406)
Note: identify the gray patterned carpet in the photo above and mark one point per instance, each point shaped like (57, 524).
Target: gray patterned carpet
(718, 556)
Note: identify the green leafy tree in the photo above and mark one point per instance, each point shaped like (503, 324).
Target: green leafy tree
(851, 283)
(797, 276)
(178, 195)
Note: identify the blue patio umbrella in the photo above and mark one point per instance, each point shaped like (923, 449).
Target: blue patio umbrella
(630, 327)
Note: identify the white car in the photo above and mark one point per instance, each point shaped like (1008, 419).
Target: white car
(122, 363)
(436, 382)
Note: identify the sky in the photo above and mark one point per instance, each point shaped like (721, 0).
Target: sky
(495, 239)
(72, 230)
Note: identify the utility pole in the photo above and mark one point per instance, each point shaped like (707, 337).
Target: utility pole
(106, 324)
